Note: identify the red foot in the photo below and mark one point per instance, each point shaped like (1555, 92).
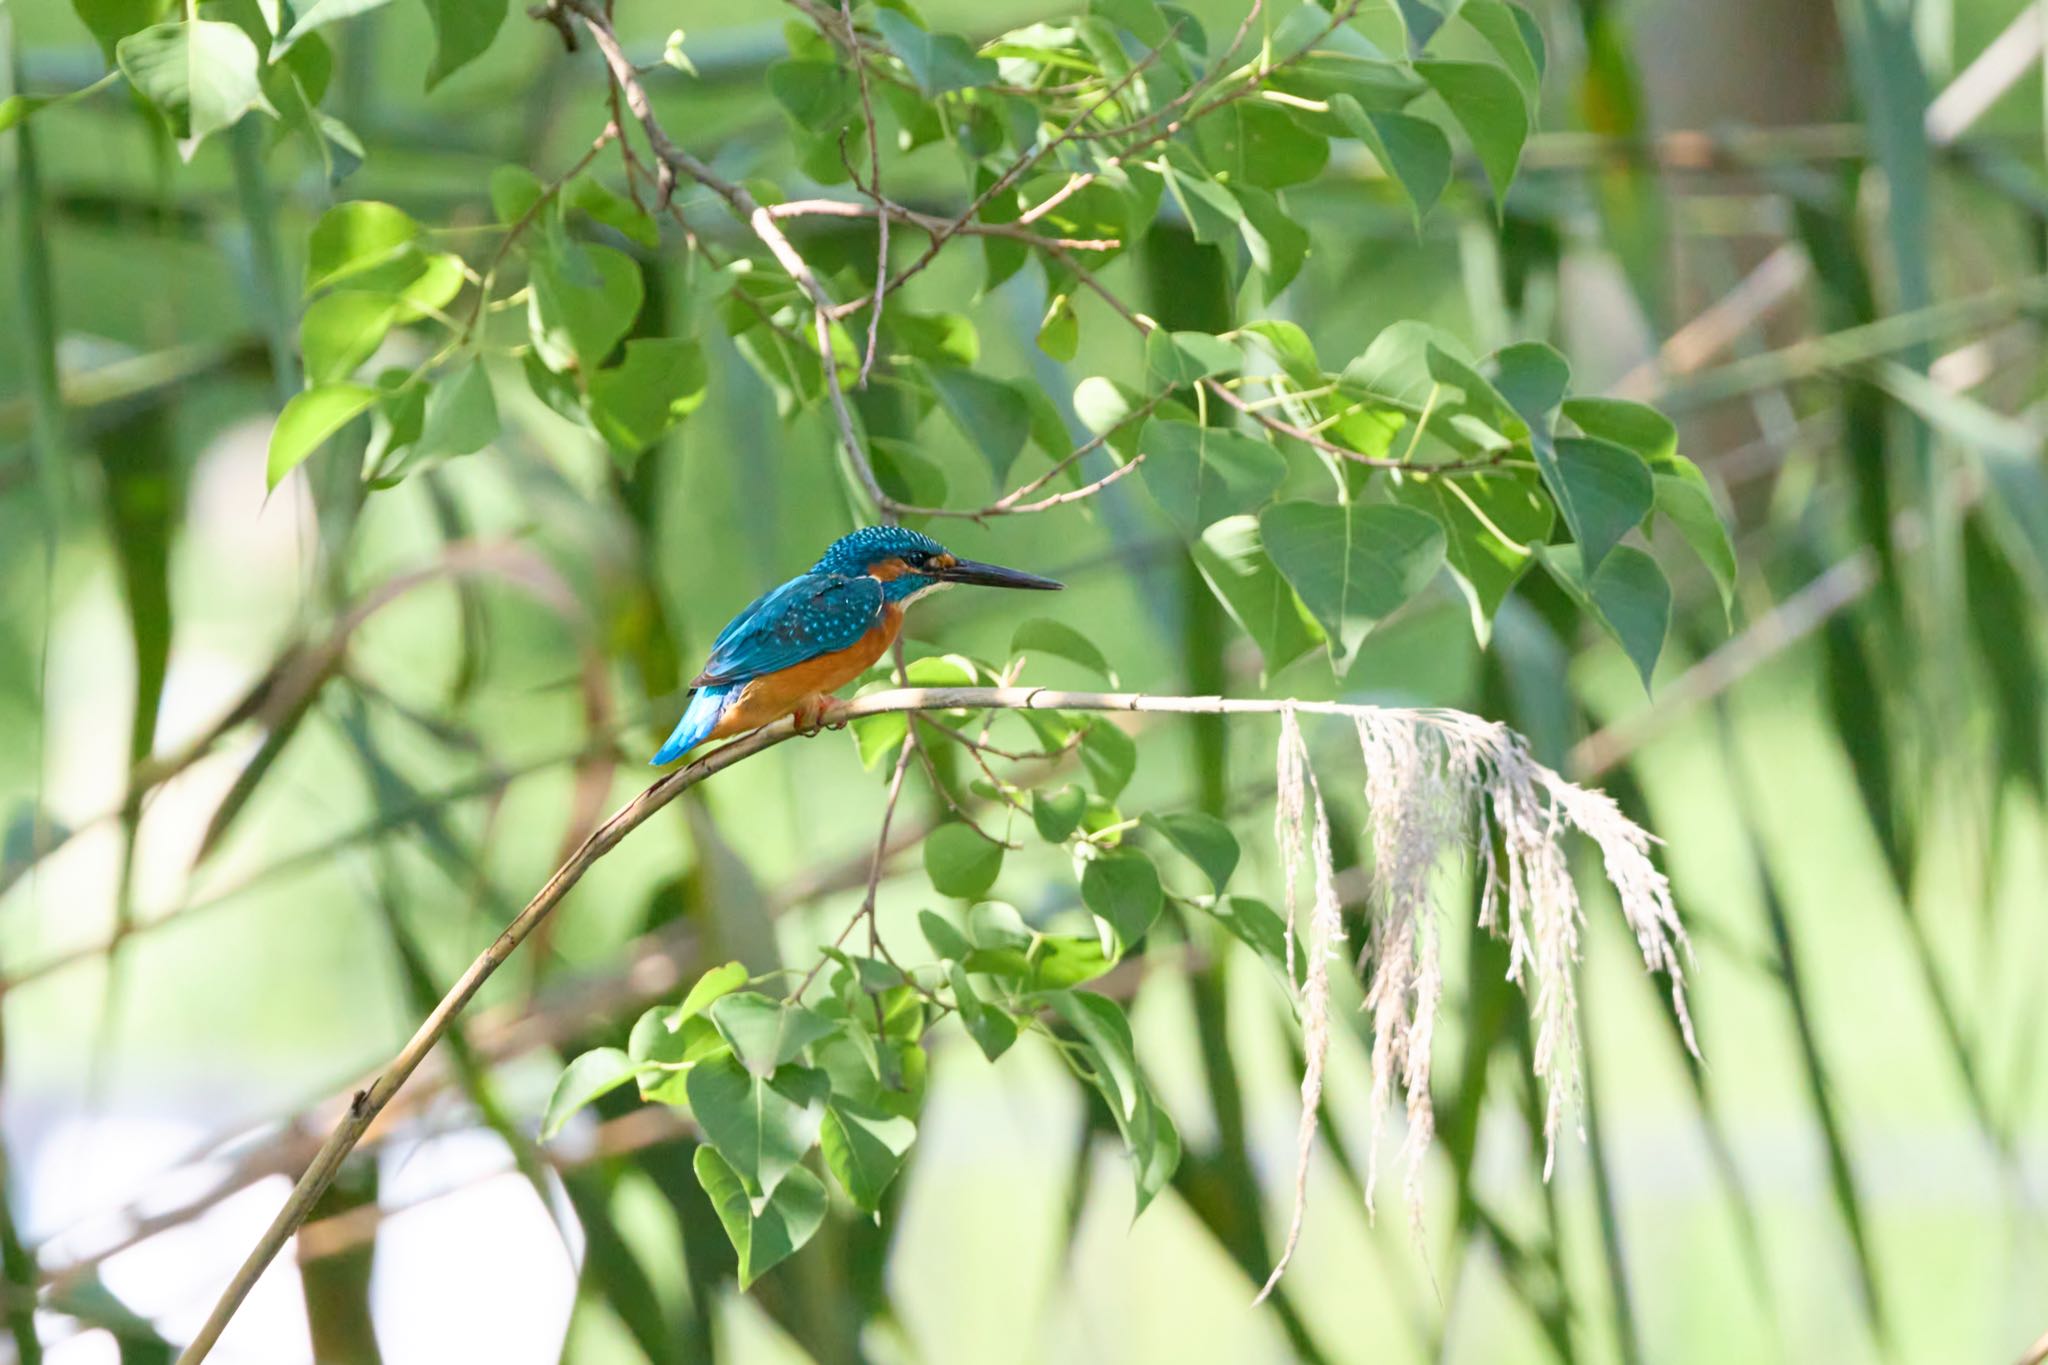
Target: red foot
(814, 713)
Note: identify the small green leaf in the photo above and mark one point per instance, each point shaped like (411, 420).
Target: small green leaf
(664, 1048)
(1148, 1133)
(869, 974)
(941, 670)
(907, 474)
(1484, 405)
(514, 192)
(766, 1034)
(787, 1219)
(1109, 755)
(1213, 214)
(439, 280)
(1058, 814)
(461, 416)
(342, 330)
(1353, 565)
(1627, 594)
(318, 15)
(817, 95)
(992, 1030)
(660, 381)
(463, 31)
(1237, 569)
(876, 737)
(1254, 924)
(960, 862)
(1122, 890)
(938, 62)
(991, 414)
(1603, 490)
(1413, 151)
(1276, 242)
(202, 76)
(945, 940)
(16, 108)
(1066, 960)
(1205, 841)
(762, 1126)
(356, 237)
(606, 205)
(1102, 1025)
(1261, 145)
(1178, 358)
(718, 982)
(1059, 335)
(1398, 365)
(1199, 475)
(1042, 635)
(308, 420)
(1486, 567)
(992, 924)
(1142, 18)
(864, 1149)
(113, 20)
(1686, 502)
(597, 1072)
(1497, 22)
(1532, 377)
(1643, 429)
(1489, 106)
(575, 325)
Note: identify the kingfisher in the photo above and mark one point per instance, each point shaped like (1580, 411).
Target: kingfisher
(797, 644)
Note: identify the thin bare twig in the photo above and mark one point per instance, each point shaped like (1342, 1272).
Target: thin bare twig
(867, 901)
(673, 159)
(874, 192)
(1166, 130)
(1279, 426)
(1015, 171)
(605, 136)
(929, 223)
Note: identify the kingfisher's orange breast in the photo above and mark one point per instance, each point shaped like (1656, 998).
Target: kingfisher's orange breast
(775, 695)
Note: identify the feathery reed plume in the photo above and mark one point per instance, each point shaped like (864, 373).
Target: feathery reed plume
(1438, 782)
(1299, 793)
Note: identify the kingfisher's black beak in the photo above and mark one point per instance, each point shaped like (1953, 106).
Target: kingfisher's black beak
(993, 576)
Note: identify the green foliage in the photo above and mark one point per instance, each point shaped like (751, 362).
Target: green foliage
(202, 76)
(613, 297)
(1408, 401)
(962, 861)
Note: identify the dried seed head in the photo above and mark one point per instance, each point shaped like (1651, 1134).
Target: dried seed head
(1436, 782)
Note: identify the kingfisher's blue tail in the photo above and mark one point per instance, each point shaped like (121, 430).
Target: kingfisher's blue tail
(707, 706)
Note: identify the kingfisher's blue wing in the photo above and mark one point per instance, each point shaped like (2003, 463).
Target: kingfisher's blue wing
(805, 617)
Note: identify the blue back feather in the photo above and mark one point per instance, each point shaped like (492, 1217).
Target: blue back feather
(821, 612)
(707, 705)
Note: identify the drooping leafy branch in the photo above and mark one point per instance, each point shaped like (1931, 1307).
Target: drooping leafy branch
(1315, 498)
(769, 1078)
(1074, 138)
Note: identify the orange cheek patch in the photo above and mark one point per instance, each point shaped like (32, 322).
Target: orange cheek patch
(888, 569)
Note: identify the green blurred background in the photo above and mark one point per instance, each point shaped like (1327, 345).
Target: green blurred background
(1849, 778)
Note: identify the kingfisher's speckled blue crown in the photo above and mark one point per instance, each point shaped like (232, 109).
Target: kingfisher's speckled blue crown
(853, 554)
